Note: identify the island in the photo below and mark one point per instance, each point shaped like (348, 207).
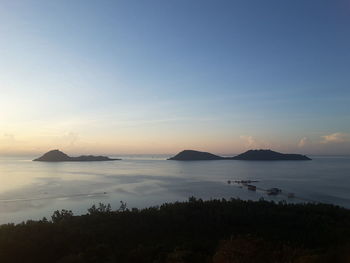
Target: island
(191, 155)
(251, 155)
(58, 156)
(268, 155)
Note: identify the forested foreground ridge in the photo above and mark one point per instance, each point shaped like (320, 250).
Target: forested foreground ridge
(214, 231)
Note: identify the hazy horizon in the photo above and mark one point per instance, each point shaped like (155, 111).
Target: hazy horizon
(148, 155)
(158, 77)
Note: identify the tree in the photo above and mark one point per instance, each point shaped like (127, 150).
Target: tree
(59, 216)
(102, 208)
(122, 207)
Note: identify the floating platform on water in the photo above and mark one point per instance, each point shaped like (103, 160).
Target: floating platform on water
(273, 191)
(251, 187)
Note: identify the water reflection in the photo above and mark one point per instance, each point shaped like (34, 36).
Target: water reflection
(33, 190)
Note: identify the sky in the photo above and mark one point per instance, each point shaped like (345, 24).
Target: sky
(160, 76)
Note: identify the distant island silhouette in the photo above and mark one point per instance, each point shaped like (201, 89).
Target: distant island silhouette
(191, 155)
(251, 155)
(58, 156)
(268, 155)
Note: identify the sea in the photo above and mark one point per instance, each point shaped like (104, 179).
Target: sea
(33, 190)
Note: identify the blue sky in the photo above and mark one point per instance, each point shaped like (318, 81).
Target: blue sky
(160, 76)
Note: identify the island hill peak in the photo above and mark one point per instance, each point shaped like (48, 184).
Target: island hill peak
(192, 155)
(251, 155)
(58, 156)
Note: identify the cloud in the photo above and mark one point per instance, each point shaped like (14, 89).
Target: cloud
(69, 139)
(251, 142)
(8, 138)
(303, 141)
(337, 137)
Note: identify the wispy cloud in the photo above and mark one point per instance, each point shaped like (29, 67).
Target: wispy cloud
(69, 139)
(303, 142)
(337, 137)
(248, 140)
(8, 138)
(252, 142)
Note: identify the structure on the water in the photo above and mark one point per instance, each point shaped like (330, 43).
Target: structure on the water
(251, 187)
(273, 191)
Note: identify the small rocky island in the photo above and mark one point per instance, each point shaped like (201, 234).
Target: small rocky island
(268, 155)
(58, 156)
(251, 155)
(191, 155)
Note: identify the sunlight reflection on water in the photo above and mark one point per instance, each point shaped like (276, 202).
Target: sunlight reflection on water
(31, 190)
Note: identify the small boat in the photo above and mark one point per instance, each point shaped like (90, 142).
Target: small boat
(251, 187)
(245, 181)
(291, 195)
(229, 181)
(273, 191)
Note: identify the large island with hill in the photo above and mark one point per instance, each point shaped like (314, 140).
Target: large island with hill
(268, 155)
(251, 155)
(191, 155)
(58, 156)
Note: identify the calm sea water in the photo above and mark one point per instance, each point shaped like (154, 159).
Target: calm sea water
(32, 190)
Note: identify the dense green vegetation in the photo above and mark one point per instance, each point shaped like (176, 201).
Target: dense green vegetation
(217, 231)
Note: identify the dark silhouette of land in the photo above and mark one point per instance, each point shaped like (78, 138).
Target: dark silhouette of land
(58, 156)
(268, 155)
(191, 155)
(196, 231)
(251, 155)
